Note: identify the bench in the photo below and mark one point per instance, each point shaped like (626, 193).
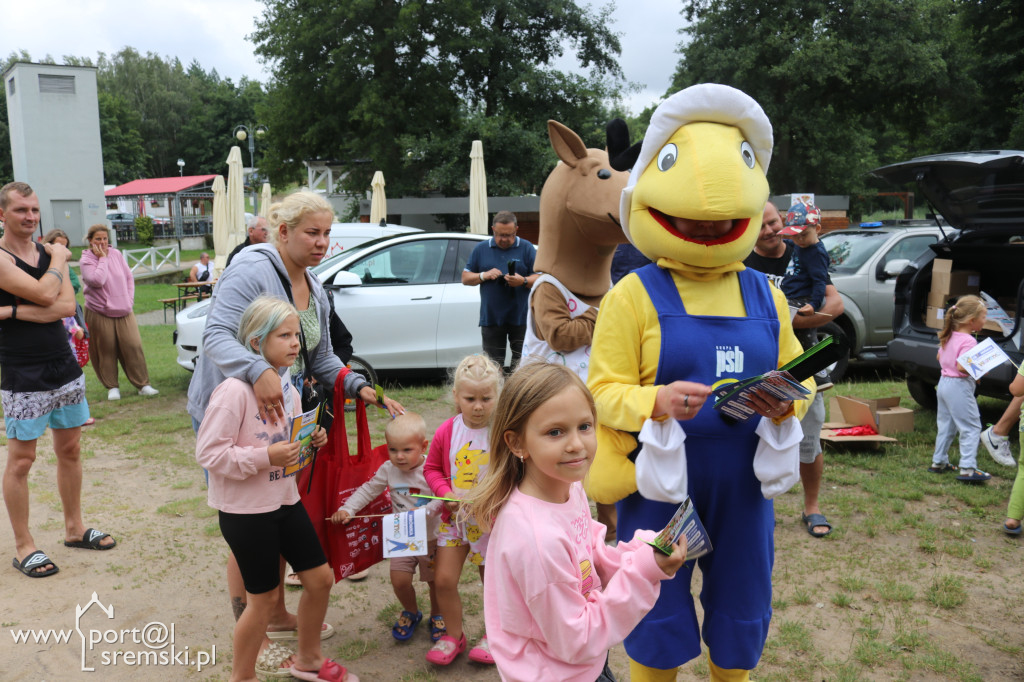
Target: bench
(173, 303)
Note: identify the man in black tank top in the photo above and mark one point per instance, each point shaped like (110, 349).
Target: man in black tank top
(41, 383)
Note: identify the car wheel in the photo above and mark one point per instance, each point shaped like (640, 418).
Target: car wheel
(923, 393)
(362, 367)
(839, 370)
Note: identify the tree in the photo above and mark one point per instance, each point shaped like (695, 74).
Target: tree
(848, 86)
(395, 85)
(991, 113)
(124, 154)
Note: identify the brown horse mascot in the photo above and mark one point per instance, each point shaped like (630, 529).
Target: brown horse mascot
(579, 230)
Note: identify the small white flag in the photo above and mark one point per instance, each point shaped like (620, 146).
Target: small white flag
(979, 360)
(405, 533)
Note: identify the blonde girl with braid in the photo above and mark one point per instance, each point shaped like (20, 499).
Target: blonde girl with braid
(957, 410)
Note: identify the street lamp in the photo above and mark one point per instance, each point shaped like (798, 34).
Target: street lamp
(241, 133)
(181, 167)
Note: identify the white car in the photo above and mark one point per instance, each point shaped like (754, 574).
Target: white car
(401, 297)
(346, 235)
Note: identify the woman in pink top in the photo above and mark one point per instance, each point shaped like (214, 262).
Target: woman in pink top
(556, 597)
(114, 333)
(251, 486)
(957, 408)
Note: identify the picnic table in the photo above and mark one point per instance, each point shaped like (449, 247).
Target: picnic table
(187, 291)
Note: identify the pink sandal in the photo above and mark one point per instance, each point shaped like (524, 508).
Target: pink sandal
(446, 649)
(329, 672)
(481, 652)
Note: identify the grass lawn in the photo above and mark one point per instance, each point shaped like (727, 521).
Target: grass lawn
(916, 582)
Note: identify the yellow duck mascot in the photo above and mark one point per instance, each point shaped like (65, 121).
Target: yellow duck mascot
(666, 336)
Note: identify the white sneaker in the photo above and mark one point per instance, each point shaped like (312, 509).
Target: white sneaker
(148, 390)
(113, 394)
(997, 446)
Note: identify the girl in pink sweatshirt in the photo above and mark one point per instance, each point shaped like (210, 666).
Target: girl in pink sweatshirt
(260, 514)
(556, 597)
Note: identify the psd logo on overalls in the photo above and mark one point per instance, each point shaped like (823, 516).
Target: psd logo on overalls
(728, 359)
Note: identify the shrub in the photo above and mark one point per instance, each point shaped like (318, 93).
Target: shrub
(144, 229)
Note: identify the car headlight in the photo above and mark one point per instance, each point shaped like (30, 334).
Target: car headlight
(198, 311)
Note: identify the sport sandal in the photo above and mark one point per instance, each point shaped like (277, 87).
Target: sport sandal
(406, 625)
(973, 476)
(437, 628)
(446, 649)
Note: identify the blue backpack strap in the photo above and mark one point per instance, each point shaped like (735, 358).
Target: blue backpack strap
(661, 289)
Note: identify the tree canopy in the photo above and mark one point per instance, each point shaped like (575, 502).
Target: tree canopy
(402, 86)
(853, 85)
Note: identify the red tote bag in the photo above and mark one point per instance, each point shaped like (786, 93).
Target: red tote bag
(335, 475)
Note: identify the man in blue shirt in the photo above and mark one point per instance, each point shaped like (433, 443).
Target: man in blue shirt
(503, 267)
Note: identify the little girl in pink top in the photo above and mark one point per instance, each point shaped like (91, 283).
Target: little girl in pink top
(957, 408)
(260, 514)
(456, 463)
(556, 597)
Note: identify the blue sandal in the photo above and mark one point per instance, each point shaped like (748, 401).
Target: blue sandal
(437, 628)
(406, 625)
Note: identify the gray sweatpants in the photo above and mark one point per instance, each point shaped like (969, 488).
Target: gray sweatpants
(957, 411)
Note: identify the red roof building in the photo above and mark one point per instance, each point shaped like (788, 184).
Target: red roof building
(188, 201)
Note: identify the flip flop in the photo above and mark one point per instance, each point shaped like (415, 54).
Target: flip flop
(329, 672)
(1012, 531)
(35, 560)
(326, 632)
(268, 665)
(812, 520)
(92, 540)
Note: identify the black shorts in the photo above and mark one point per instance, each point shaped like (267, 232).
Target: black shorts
(260, 540)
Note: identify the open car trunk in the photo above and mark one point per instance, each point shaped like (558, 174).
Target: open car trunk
(981, 194)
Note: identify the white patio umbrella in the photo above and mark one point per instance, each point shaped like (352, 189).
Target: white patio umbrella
(477, 190)
(378, 200)
(235, 199)
(265, 201)
(221, 231)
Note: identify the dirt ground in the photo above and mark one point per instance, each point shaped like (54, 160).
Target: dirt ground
(162, 590)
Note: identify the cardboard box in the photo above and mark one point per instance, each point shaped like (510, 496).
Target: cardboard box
(883, 414)
(949, 282)
(937, 299)
(934, 317)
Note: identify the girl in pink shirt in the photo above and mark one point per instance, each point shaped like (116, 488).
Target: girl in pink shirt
(957, 409)
(260, 514)
(457, 461)
(556, 596)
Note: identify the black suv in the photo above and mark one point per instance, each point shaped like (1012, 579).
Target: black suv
(981, 195)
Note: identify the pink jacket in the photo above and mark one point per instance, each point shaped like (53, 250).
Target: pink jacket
(232, 446)
(556, 597)
(437, 470)
(438, 467)
(109, 283)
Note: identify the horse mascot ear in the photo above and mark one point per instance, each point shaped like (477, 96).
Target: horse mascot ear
(579, 212)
